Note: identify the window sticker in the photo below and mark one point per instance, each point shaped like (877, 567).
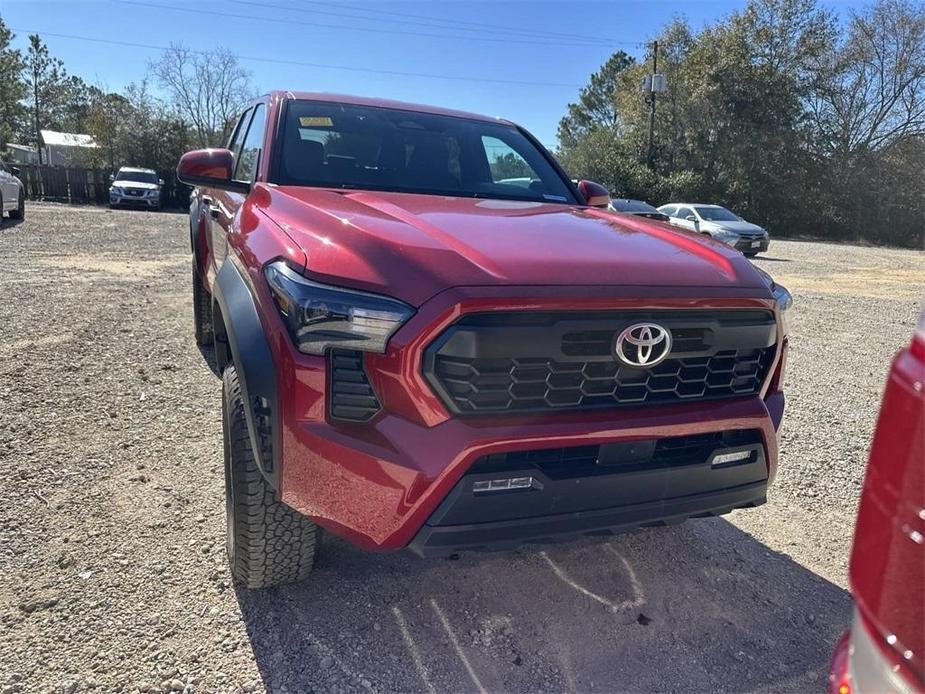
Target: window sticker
(316, 122)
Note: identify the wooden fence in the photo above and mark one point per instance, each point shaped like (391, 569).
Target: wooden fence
(81, 186)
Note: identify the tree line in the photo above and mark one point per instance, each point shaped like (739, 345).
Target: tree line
(796, 120)
(186, 99)
(807, 124)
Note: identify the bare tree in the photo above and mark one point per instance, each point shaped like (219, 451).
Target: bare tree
(878, 94)
(207, 88)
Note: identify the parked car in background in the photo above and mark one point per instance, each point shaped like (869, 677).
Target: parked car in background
(136, 188)
(417, 352)
(720, 223)
(640, 208)
(884, 651)
(12, 192)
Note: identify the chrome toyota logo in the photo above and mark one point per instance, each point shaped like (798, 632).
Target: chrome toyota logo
(643, 344)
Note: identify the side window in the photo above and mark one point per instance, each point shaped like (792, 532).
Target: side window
(505, 163)
(246, 167)
(671, 210)
(235, 143)
(685, 212)
(3, 167)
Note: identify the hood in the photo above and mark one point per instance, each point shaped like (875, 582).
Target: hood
(737, 227)
(413, 246)
(135, 185)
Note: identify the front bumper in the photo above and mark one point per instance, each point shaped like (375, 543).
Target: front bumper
(752, 245)
(134, 201)
(380, 484)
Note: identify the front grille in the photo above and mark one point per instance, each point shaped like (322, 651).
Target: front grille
(553, 361)
(351, 396)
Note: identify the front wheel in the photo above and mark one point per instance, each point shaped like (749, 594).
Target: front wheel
(20, 211)
(268, 542)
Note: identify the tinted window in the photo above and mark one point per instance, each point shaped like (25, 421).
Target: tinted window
(685, 212)
(137, 176)
(669, 210)
(717, 214)
(363, 147)
(633, 206)
(246, 166)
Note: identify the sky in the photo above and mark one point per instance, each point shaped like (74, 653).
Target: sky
(520, 60)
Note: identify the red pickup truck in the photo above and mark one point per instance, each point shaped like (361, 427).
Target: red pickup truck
(430, 338)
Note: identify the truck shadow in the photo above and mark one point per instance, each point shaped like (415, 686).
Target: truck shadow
(699, 607)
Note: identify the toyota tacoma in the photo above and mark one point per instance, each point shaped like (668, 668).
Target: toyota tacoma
(418, 353)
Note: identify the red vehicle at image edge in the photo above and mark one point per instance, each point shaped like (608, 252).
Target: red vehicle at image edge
(430, 338)
(883, 651)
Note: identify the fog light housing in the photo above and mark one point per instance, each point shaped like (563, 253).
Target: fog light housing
(722, 459)
(503, 485)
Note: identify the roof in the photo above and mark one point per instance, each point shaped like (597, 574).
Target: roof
(21, 148)
(384, 103)
(691, 204)
(136, 170)
(56, 139)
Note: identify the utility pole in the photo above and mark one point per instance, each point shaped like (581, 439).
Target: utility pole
(651, 99)
(35, 94)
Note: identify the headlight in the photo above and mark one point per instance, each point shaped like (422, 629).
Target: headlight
(783, 297)
(153, 193)
(726, 236)
(319, 317)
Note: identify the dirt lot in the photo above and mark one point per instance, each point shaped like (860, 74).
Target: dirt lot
(112, 517)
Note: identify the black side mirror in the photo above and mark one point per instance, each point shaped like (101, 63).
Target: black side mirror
(15, 170)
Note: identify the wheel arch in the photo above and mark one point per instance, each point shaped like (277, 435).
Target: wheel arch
(240, 339)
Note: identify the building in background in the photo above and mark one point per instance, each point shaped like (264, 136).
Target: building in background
(22, 154)
(64, 149)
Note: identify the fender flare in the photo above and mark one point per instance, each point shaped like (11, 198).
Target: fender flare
(196, 241)
(240, 327)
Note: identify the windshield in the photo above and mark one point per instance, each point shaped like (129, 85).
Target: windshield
(633, 206)
(372, 148)
(137, 176)
(717, 214)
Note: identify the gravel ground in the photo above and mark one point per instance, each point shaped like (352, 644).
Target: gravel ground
(112, 521)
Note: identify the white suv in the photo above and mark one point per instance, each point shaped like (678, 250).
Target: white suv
(12, 192)
(135, 188)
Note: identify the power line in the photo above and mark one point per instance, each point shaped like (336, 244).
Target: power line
(289, 22)
(298, 63)
(456, 23)
(437, 23)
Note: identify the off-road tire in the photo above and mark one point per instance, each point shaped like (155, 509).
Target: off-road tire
(268, 543)
(202, 312)
(20, 211)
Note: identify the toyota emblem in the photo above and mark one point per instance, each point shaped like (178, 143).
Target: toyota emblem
(643, 344)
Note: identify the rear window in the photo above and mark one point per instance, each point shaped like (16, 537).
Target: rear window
(371, 148)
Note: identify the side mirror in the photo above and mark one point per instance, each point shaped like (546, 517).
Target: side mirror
(210, 168)
(15, 170)
(112, 178)
(595, 194)
(691, 218)
(160, 181)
